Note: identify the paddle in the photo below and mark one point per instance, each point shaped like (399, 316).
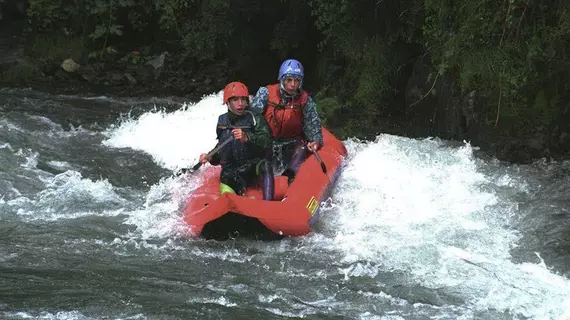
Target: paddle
(323, 166)
(210, 154)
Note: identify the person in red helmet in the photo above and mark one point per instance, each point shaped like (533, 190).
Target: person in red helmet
(244, 158)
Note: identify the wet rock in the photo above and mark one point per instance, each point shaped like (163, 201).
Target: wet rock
(158, 61)
(536, 143)
(131, 79)
(68, 65)
(88, 73)
(157, 64)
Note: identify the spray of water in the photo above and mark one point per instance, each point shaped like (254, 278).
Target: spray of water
(174, 139)
(421, 208)
(426, 210)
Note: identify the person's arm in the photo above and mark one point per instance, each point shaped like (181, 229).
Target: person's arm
(312, 122)
(215, 160)
(260, 100)
(261, 136)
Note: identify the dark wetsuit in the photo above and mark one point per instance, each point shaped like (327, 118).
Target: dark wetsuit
(243, 162)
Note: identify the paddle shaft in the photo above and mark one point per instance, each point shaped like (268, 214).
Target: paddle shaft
(210, 154)
(323, 166)
(213, 152)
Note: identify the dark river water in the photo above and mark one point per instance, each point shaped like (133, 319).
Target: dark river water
(91, 228)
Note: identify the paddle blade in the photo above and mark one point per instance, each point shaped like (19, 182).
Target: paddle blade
(182, 171)
(197, 166)
(323, 167)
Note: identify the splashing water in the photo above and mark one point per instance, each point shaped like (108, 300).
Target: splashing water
(414, 229)
(173, 139)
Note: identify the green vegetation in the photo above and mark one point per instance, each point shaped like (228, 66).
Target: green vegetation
(514, 53)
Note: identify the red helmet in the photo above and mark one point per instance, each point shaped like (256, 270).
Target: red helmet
(235, 89)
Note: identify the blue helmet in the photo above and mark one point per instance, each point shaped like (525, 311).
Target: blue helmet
(291, 67)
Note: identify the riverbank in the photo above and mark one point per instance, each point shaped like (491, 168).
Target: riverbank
(193, 83)
(420, 114)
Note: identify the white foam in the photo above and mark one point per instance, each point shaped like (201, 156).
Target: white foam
(415, 207)
(69, 195)
(173, 139)
(423, 208)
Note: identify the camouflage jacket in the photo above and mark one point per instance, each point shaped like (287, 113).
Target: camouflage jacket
(311, 120)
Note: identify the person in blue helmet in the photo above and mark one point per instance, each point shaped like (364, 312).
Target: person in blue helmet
(292, 117)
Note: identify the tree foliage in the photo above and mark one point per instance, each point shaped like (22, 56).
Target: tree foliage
(514, 53)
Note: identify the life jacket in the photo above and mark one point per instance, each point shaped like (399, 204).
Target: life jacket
(285, 120)
(235, 152)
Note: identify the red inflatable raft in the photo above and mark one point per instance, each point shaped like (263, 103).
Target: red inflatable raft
(292, 212)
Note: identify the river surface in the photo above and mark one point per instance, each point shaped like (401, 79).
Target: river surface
(91, 228)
